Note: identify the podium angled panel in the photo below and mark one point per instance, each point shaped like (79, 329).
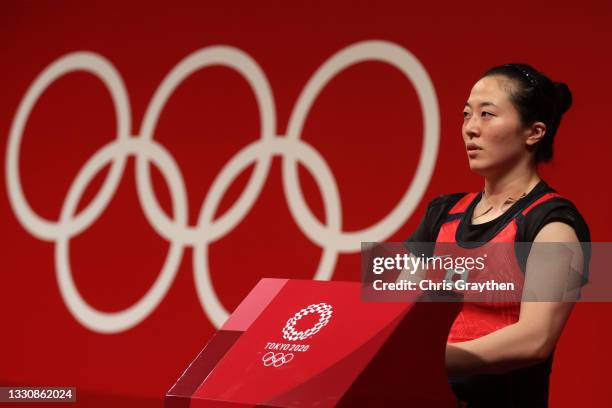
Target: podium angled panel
(315, 343)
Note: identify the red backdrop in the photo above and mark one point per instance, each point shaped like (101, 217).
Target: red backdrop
(365, 126)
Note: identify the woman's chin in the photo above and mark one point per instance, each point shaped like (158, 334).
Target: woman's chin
(478, 167)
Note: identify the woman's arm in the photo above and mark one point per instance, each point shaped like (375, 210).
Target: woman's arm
(533, 338)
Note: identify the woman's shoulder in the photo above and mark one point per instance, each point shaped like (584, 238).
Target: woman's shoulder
(437, 208)
(557, 202)
(560, 209)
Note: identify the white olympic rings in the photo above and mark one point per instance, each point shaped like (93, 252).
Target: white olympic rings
(276, 360)
(176, 230)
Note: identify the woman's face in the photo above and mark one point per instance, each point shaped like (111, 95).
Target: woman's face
(492, 131)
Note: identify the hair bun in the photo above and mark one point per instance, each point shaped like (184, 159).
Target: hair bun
(563, 96)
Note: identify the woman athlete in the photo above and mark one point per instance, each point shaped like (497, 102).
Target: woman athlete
(501, 356)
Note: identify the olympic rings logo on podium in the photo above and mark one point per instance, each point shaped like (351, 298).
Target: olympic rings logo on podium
(175, 229)
(276, 360)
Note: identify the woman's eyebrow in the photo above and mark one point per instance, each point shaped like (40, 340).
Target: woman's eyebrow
(481, 104)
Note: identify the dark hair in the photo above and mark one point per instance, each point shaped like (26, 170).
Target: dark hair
(537, 99)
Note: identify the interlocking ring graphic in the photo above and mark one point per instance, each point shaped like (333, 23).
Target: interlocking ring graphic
(330, 236)
(276, 360)
(323, 309)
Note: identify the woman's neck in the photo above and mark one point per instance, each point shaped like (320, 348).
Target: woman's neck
(511, 185)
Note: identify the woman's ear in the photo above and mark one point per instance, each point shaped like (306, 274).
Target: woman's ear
(535, 133)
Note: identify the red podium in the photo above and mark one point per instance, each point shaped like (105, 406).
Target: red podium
(298, 343)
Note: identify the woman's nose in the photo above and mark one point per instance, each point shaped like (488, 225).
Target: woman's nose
(471, 127)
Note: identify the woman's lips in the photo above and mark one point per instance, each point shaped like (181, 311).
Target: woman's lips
(473, 153)
(472, 149)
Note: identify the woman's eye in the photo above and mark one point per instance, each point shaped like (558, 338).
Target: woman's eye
(466, 114)
(487, 113)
